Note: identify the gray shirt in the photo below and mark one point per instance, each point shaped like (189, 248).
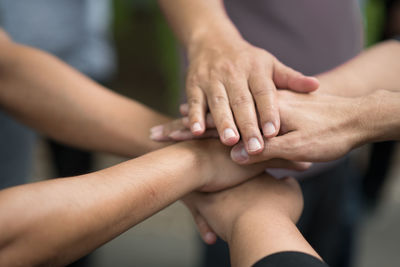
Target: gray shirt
(311, 36)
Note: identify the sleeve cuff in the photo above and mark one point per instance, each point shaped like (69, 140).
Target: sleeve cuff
(290, 259)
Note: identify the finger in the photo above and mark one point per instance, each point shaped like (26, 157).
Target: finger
(288, 164)
(206, 232)
(161, 132)
(184, 109)
(197, 109)
(243, 108)
(264, 94)
(218, 104)
(157, 134)
(184, 135)
(287, 78)
(283, 147)
(209, 122)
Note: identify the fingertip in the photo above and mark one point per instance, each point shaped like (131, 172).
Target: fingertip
(229, 137)
(239, 154)
(156, 133)
(254, 145)
(269, 130)
(303, 166)
(197, 128)
(210, 238)
(313, 82)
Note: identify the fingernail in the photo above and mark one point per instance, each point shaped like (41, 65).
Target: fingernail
(254, 144)
(174, 134)
(239, 153)
(229, 133)
(209, 237)
(196, 127)
(156, 135)
(157, 128)
(269, 128)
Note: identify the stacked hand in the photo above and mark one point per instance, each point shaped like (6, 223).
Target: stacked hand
(236, 81)
(220, 212)
(314, 127)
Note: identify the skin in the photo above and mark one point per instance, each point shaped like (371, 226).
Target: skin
(328, 127)
(256, 218)
(71, 217)
(45, 93)
(232, 78)
(357, 103)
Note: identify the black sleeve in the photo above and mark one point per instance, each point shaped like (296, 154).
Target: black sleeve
(290, 259)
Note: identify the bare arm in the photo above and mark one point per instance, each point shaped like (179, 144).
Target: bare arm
(50, 96)
(231, 77)
(376, 68)
(57, 221)
(256, 218)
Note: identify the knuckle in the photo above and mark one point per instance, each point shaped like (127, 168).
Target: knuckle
(241, 100)
(217, 100)
(194, 101)
(225, 67)
(260, 91)
(248, 127)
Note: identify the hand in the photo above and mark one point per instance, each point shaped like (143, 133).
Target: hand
(314, 128)
(220, 172)
(226, 74)
(219, 212)
(179, 129)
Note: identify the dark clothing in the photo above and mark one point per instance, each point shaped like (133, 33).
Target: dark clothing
(290, 259)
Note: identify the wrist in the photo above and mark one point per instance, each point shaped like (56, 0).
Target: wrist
(251, 235)
(381, 122)
(200, 170)
(215, 39)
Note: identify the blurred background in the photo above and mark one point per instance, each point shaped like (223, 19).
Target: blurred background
(146, 63)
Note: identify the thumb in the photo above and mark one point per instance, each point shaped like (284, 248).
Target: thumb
(287, 78)
(280, 147)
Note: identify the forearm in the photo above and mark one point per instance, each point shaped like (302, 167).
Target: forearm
(376, 68)
(259, 234)
(53, 98)
(71, 217)
(198, 21)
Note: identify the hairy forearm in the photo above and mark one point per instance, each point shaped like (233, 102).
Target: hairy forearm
(262, 233)
(376, 68)
(53, 98)
(57, 221)
(194, 21)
